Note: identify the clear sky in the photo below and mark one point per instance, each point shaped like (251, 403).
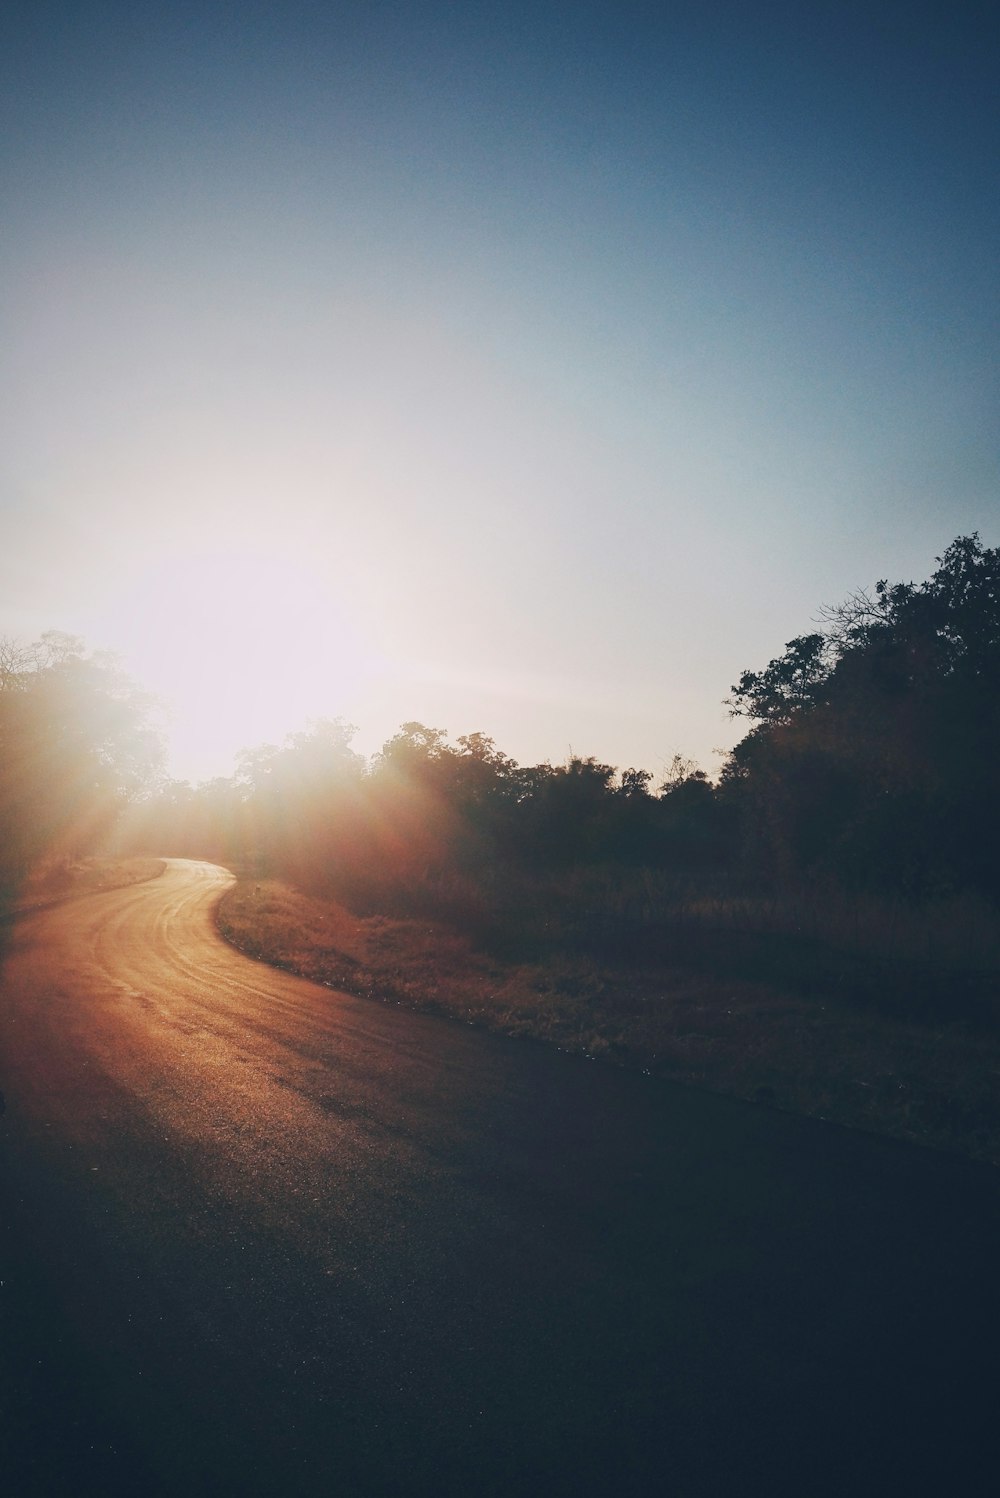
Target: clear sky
(525, 368)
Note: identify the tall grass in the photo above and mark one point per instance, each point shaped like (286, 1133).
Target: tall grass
(938, 959)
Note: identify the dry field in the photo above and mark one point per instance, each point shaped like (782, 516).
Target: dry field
(932, 1083)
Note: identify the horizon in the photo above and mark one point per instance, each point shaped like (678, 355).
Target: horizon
(528, 370)
(202, 746)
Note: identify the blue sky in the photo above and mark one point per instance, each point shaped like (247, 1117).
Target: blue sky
(531, 369)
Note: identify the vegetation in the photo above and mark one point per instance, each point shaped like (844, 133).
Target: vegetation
(873, 752)
(813, 1052)
(841, 874)
(76, 746)
(69, 879)
(867, 789)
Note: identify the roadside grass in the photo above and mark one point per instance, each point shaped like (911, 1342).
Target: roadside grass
(801, 1007)
(66, 879)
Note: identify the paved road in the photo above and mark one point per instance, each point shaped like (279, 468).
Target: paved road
(262, 1238)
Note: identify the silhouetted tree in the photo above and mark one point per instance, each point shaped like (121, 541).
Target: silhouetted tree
(873, 754)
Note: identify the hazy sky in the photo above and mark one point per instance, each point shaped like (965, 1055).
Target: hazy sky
(525, 368)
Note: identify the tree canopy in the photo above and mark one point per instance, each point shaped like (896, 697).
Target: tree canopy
(76, 744)
(874, 748)
(870, 759)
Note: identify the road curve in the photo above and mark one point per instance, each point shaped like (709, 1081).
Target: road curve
(263, 1238)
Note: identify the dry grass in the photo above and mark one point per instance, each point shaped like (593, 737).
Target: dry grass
(68, 879)
(938, 1084)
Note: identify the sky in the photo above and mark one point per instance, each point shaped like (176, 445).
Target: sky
(530, 369)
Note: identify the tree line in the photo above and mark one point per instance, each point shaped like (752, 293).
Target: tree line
(423, 809)
(870, 760)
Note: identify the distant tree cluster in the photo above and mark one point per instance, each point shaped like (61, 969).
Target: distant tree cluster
(425, 808)
(870, 761)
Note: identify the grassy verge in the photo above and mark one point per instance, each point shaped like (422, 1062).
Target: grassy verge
(67, 879)
(817, 1053)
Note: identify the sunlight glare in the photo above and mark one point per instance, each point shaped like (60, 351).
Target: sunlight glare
(242, 648)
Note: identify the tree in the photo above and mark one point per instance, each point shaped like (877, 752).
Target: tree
(635, 783)
(787, 685)
(873, 754)
(301, 801)
(76, 746)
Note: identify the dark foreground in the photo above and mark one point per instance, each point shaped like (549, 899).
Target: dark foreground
(259, 1238)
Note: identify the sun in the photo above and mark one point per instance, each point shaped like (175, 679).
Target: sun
(241, 647)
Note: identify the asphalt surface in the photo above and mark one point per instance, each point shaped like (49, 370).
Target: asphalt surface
(262, 1238)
